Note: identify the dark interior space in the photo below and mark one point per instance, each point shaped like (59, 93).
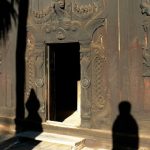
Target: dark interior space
(64, 74)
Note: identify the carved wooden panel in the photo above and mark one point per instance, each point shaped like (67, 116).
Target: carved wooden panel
(35, 70)
(114, 64)
(62, 21)
(101, 100)
(145, 12)
(114, 39)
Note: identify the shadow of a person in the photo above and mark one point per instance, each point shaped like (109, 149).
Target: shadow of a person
(33, 120)
(125, 129)
(31, 127)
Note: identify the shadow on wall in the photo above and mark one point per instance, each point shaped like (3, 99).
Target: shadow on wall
(7, 14)
(125, 129)
(33, 121)
(13, 12)
(25, 139)
(17, 11)
(23, 7)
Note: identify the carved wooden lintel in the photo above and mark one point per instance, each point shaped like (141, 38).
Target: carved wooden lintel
(60, 10)
(69, 20)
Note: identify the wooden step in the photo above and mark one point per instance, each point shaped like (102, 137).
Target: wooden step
(76, 143)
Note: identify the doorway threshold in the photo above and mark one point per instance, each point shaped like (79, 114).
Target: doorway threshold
(72, 121)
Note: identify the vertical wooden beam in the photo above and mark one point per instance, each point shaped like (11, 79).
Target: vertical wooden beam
(85, 84)
(112, 47)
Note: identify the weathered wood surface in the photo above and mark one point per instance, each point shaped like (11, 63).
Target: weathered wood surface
(114, 57)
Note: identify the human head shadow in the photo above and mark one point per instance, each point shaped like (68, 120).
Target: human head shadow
(125, 129)
(31, 126)
(33, 121)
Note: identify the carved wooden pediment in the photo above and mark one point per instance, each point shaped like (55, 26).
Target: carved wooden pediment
(70, 20)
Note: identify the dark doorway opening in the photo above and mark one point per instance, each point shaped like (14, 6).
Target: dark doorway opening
(64, 72)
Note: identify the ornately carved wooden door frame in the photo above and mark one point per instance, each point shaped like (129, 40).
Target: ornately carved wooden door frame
(73, 23)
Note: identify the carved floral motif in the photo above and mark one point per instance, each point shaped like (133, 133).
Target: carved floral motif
(60, 34)
(30, 41)
(84, 10)
(39, 70)
(145, 6)
(59, 10)
(56, 10)
(65, 18)
(85, 82)
(41, 16)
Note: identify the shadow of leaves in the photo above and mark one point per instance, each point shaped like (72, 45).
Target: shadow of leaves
(8, 14)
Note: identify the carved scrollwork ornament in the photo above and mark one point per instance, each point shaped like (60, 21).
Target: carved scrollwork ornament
(85, 9)
(85, 83)
(145, 6)
(29, 63)
(99, 104)
(41, 16)
(55, 11)
(39, 83)
(30, 41)
(60, 34)
(75, 25)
